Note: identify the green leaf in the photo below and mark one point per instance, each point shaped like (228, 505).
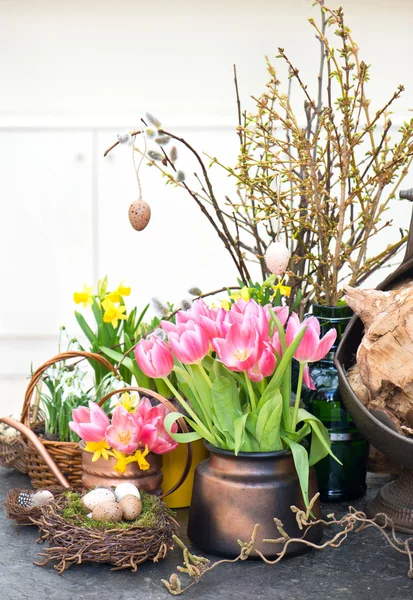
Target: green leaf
(300, 458)
(86, 329)
(225, 404)
(268, 425)
(183, 438)
(320, 440)
(239, 431)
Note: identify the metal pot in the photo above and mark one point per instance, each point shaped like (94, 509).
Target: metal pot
(102, 473)
(233, 493)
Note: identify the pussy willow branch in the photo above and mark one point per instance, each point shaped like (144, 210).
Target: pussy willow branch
(354, 521)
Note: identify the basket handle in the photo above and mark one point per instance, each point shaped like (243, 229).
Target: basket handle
(37, 375)
(181, 422)
(26, 431)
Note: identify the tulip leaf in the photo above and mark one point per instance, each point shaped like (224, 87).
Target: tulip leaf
(86, 329)
(225, 404)
(183, 438)
(250, 443)
(320, 440)
(300, 458)
(239, 431)
(268, 425)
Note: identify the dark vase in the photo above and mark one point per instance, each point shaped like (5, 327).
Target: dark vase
(232, 493)
(336, 482)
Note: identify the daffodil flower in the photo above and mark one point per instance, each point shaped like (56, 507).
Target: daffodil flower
(99, 449)
(85, 296)
(244, 293)
(128, 402)
(123, 460)
(117, 295)
(285, 290)
(225, 305)
(141, 460)
(113, 313)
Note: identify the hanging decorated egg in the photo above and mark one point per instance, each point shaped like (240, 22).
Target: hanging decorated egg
(139, 214)
(277, 257)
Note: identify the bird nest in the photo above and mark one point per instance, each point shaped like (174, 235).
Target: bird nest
(74, 538)
(24, 515)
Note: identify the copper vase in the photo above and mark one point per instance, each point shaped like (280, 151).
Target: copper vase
(233, 493)
(102, 473)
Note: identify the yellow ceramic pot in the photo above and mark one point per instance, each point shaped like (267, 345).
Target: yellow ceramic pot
(172, 466)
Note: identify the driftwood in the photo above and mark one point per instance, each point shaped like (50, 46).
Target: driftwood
(383, 376)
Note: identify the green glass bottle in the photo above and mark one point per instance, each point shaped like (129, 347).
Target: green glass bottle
(336, 482)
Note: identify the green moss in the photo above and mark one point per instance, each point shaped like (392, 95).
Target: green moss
(74, 512)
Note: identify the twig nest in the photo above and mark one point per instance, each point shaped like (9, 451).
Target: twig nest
(277, 257)
(41, 498)
(107, 511)
(96, 497)
(125, 489)
(139, 214)
(131, 507)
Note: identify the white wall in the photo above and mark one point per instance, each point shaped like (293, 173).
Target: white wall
(76, 73)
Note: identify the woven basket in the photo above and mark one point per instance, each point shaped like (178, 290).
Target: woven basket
(66, 455)
(23, 515)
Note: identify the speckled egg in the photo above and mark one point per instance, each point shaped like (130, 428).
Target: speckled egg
(97, 496)
(277, 257)
(139, 214)
(123, 489)
(107, 511)
(41, 498)
(131, 507)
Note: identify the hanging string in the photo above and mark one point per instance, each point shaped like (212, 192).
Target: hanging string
(134, 149)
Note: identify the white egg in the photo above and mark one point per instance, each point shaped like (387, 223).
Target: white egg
(277, 257)
(97, 496)
(123, 489)
(42, 497)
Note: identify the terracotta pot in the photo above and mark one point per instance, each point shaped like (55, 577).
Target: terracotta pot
(102, 473)
(233, 493)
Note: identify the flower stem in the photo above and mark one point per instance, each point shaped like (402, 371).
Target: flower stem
(205, 374)
(298, 395)
(250, 392)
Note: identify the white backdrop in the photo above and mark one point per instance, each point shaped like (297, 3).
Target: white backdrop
(73, 75)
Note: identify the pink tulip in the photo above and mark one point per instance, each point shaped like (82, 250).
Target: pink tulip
(276, 343)
(199, 308)
(265, 365)
(307, 378)
(149, 420)
(282, 312)
(122, 434)
(154, 357)
(91, 423)
(241, 348)
(189, 345)
(311, 348)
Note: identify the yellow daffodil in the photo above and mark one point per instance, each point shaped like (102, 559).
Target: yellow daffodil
(99, 449)
(141, 460)
(113, 313)
(285, 290)
(117, 295)
(123, 460)
(84, 297)
(225, 304)
(244, 293)
(128, 402)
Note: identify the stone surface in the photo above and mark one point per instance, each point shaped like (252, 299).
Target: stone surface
(362, 569)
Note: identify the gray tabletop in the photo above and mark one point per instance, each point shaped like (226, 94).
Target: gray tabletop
(363, 568)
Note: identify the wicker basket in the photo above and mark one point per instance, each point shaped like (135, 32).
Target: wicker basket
(23, 515)
(66, 455)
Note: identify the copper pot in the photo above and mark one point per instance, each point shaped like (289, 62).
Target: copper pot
(233, 493)
(102, 473)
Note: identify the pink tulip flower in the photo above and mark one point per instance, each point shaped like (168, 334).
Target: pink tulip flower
(307, 378)
(241, 348)
(122, 434)
(199, 308)
(91, 423)
(311, 348)
(154, 357)
(282, 312)
(265, 365)
(149, 420)
(190, 345)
